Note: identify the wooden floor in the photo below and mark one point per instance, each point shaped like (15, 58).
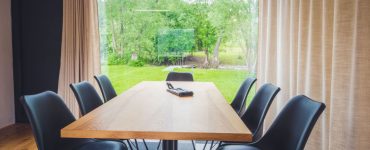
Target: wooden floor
(18, 137)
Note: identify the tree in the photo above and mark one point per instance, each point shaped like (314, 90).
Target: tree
(132, 27)
(195, 16)
(205, 32)
(226, 17)
(248, 31)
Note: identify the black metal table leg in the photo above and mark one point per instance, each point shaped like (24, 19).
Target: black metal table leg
(169, 145)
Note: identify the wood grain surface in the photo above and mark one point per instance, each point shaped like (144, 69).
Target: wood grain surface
(148, 111)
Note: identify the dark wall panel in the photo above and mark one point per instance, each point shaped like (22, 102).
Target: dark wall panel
(37, 33)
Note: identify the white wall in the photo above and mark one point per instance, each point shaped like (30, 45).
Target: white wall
(6, 66)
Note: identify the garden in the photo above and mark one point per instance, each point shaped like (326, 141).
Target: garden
(143, 40)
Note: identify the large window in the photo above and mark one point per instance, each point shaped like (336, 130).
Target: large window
(216, 40)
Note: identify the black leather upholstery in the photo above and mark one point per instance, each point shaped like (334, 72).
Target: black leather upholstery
(48, 114)
(256, 112)
(179, 76)
(238, 103)
(291, 129)
(106, 87)
(104, 145)
(87, 97)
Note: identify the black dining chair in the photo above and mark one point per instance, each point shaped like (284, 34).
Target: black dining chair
(255, 114)
(106, 87)
(87, 97)
(238, 103)
(179, 76)
(48, 114)
(290, 130)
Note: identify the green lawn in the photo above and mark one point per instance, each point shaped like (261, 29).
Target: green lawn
(227, 81)
(231, 57)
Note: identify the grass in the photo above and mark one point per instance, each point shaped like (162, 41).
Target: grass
(230, 57)
(227, 81)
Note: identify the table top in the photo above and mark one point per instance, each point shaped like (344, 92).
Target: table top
(148, 111)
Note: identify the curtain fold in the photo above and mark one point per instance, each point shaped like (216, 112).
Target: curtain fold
(80, 54)
(320, 48)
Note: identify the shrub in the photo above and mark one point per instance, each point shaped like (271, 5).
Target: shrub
(116, 59)
(136, 63)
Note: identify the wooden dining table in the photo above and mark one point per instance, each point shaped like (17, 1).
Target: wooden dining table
(148, 111)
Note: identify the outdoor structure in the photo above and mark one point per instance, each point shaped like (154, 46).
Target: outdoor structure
(175, 43)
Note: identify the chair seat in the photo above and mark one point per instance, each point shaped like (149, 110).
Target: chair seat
(233, 143)
(237, 147)
(104, 145)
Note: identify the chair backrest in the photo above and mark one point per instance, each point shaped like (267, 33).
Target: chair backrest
(87, 97)
(256, 112)
(106, 87)
(179, 76)
(292, 127)
(47, 114)
(238, 103)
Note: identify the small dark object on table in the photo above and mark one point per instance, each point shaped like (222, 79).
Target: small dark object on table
(178, 91)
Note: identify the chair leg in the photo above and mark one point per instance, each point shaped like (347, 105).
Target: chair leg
(137, 145)
(192, 142)
(133, 144)
(146, 146)
(159, 144)
(210, 148)
(205, 145)
(219, 144)
(129, 143)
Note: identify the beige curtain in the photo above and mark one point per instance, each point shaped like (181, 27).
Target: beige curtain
(320, 48)
(80, 58)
